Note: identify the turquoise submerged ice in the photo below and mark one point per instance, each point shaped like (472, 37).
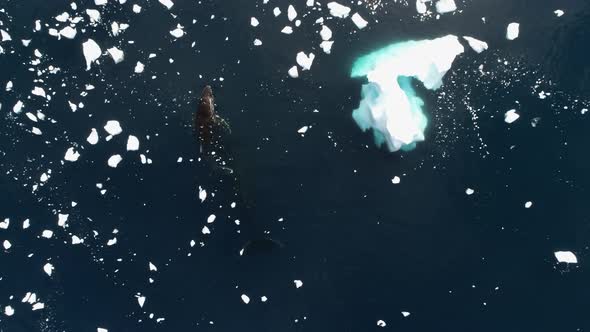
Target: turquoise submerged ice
(389, 104)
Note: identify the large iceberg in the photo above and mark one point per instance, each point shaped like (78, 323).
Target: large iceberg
(389, 105)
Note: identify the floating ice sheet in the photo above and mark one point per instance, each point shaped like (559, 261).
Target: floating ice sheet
(389, 104)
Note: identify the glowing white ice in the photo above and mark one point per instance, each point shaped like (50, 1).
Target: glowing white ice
(91, 52)
(566, 257)
(389, 104)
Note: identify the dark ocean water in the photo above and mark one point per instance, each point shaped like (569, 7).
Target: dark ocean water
(364, 248)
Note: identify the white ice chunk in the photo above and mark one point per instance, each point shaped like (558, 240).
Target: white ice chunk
(326, 46)
(72, 155)
(477, 45)
(293, 72)
(132, 143)
(178, 32)
(167, 3)
(141, 301)
(205, 230)
(511, 116)
(113, 127)
(63, 17)
(254, 22)
(114, 160)
(559, 12)
(396, 180)
(76, 240)
(405, 313)
(116, 54)
(512, 31)
(245, 298)
(359, 21)
(68, 32)
(100, 2)
(303, 130)
(5, 35)
(202, 194)
(381, 323)
(338, 10)
(304, 60)
(445, 6)
(276, 11)
(326, 33)
(528, 204)
(298, 283)
(566, 257)
(7, 245)
(152, 267)
(211, 219)
(8, 311)
(91, 52)
(17, 108)
(291, 13)
(257, 42)
(139, 67)
(48, 268)
(38, 306)
(469, 191)
(38, 91)
(47, 234)
(287, 30)
(94, 15)
(92, 137)
(62, 219)
(4, 224)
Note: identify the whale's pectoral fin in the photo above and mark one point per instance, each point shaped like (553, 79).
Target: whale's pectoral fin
(224, 124)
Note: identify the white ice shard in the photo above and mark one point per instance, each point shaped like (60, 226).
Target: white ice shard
(114, 160)
(72, 155)
(326, 45)
(512, 31)
(139, 67)
(178, 32)
(566, 257)
(476, 44)
(254, 22)
(293, 72)
(304, 60)
(92, 137)
(326, 33)
(132, 143)
(68, 32)
(511, 116)
(445, 6)
(167, 3)
(113, 127)
(389, 104)
(116, 54)
(91, 52)
(338, 10)
(291, 13)
(359, 21)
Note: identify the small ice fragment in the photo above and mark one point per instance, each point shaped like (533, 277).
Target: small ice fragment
(405, 313)
(26, 224)
(381, 323)
(68, 32)
(287, 30)
(113, 127)
(338, 10)
(38, 306)
(254, 22)
(528, 204)
(48, 268)
(139, 67)
(305, 61)
(94, 15)
(8, 311)
(245, 298)
(37, 91)
(326, 46)
(475, 44)
(72, 155)
(112, 242)
(257, 42)
(132, 143)
(584, 111)
(91, 52)
(62, 219)
(512, 31)
(566, 257)
(136, 9)
(202, 194)
(5, 36)
(167, 3)
(178, 32)
(396, 180)
(36, 131)
(5, 223)
(76, 240)
(445, 6)
(298, 283)
(359, 21)
(276, 11)
(47, 234)
(44, 177)
(263, 298)
(291, 13)
(100, 2)
(93, 137)
(211, 219)
(293, 72)
(559, 12)
(326, 33)
(303, 130)
(114, 160)
(7, 244)
(152, 266)
(116, 54)
(469, 191)
(141, 301)
(205, 230)
(511, 116)
(100, 329)
(17, 108)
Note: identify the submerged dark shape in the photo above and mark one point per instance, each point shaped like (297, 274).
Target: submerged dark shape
(213, 132)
